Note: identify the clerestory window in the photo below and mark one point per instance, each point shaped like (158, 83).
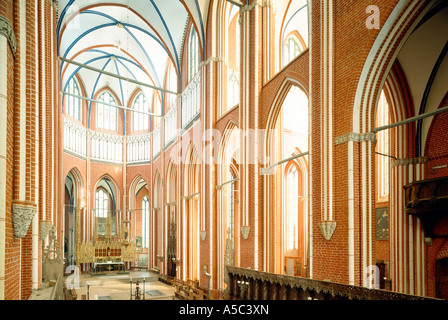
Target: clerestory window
(106, 114)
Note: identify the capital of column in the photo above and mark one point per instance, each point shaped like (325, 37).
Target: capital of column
(7, 30)
(356, 137)
(407, 161)
(260, 3)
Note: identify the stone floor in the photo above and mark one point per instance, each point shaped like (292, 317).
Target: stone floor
(113, 286)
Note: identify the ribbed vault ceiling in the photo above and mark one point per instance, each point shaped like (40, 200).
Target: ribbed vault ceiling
(131, 38)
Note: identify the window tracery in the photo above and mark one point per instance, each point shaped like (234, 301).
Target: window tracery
(106, 115)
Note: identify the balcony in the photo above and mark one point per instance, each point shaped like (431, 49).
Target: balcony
(427, 200)
(75, 138)
(191, 101)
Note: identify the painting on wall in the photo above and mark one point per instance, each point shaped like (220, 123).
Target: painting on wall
(138, 243)
(382, 223)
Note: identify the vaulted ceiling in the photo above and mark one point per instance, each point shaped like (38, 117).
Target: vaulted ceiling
(134, 39)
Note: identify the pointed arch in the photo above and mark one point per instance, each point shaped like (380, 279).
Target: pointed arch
(228, 226)
(280, 145)
(191, 213)
(138, 182)
(106, 116)
(391, 38)
(78, 183)
(109, 183)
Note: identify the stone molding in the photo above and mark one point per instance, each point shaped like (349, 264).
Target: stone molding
(356, 137)
(22, 214)
(7, 30)
(44, 229)
(327, 228)
(408, 161)
(245, 230)
(210, 59)
(261, 3)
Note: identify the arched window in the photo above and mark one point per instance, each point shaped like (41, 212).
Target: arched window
(193, 54)
(383, 149)
(145, 222)
(73, 103)
(233, 75)
(231, 207)
(102, 203)
(292, 207)
(140, 121)
(291, 49)
(106, 115)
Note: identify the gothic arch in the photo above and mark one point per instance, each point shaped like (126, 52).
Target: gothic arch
(113, 187)
(379, 72)
(78, 186)
(274, 203)
(227, 201)
(137, 183)
(191, 213)
(393, 35)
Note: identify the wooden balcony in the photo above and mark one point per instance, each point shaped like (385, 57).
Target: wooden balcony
(248, 284)
(427, 200)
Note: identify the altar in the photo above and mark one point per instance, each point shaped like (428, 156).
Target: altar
(108, 251)
(108, 266)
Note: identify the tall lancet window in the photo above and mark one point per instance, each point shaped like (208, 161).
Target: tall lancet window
(291, 49)
(140, 121)
(73, 103)
(233, 75)
(383, 149)
(292, 217)
(231, 207)
(102, 203)
(145, 222)
(106, 114)
(193, 54)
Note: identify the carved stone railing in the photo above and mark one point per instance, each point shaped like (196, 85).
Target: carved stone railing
(75, 138)
(171, 124)
(156, 143)
(139, 148)
(191, 101)
(248, 284)
(107, 147)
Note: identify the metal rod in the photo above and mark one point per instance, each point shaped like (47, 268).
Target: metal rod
(116, 76)
(109, 104)
(386, 155)
(237, 3)
(227, 182)
(413, 119)
(288, 159)
(190, 196)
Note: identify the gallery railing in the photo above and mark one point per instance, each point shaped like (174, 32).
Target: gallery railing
(248, 284)
(171, 124)
(107, 147)
(191, 101)
(139, 148)
(75, 138)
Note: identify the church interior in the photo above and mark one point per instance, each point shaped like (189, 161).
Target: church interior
(223, 150)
